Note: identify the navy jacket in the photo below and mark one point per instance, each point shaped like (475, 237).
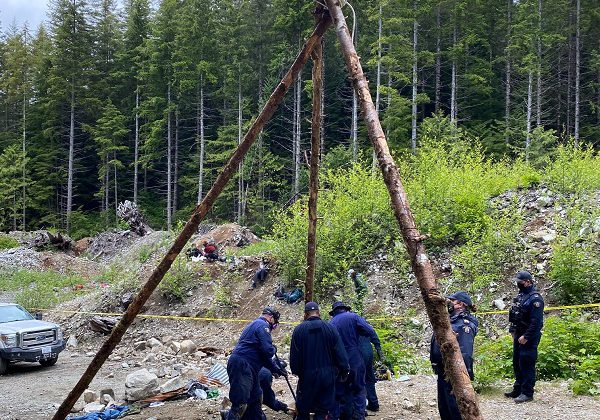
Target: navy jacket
(316, 346)
(256, 346)
(351, 326)
(529, 309)
(465, 327)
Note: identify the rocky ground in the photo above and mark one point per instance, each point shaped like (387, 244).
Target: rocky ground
(30, 392)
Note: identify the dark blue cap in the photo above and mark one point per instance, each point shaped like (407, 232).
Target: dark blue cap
(311, 306)
(338, 305)
(461, 297)
(524, 275)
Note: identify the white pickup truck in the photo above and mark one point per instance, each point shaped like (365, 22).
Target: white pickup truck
(24, 338)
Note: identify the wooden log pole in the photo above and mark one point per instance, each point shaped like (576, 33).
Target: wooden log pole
(192, 224)
(434, 300)
(315, 147)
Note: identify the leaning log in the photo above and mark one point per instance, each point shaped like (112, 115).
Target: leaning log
(192, 224)
(434, 300)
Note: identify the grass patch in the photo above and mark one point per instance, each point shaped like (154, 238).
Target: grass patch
(6, 242)
(40, 289)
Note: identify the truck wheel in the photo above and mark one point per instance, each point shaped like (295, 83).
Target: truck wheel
(3, 366)
(49, 362)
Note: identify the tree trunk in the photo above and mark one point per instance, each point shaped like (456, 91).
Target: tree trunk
(116, 190)
(569, 74)
(508, 73)
(438, 58)
(538, 106)
(577, 69)
(70, 162)
(453, 111)
(315, 143)
(136, 145)
(106, 186)
(413, 136)
(435, 302)
(200, 138)
(169, 159)
(379, 53)
(176, 160)
(297, 134)
(192, 224)
(240, 195)
(24, 151)
(528, 136)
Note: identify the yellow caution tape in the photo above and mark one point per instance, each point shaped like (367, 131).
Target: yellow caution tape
(194, 318)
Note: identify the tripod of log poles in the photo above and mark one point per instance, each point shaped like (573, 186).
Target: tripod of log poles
(327, 14)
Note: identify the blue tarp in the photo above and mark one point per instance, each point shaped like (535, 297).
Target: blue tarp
(108, 414)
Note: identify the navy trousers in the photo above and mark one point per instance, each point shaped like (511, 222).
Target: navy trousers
(244, 390)
(524, 359)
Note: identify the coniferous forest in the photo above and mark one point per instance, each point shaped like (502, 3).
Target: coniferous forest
(146, 102)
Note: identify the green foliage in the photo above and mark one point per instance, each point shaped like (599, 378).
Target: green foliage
(401, 356)
(574, 170)
(569, 348)
(486, 257)
(178, 280)
(355, 222)
(39, 289)
(493, 360)
(575, 261)
(266, 246)
(6, 242)
(449, 181)
(84, 224)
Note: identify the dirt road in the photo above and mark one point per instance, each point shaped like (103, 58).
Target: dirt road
(30, 392)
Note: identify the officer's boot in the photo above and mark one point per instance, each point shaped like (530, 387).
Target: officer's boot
(237, 411)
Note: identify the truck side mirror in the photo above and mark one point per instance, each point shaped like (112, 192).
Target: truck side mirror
(38, 316)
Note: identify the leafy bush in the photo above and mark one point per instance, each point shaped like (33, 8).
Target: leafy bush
(6, 242)
(569, 349)
(449, 181)
(486, 257)
(176, 282)
(493, 360)
(574, 169)
(575, 261)
(355, 221)
(401, 356)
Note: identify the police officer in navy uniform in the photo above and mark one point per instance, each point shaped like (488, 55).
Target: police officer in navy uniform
(464, 326)
(526, 317)
(317, 357)
(265, 379)
(253, 351)
(351, 395)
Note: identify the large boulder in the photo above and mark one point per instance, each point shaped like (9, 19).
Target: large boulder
(141, 384)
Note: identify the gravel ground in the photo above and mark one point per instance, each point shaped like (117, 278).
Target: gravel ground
(30, 392)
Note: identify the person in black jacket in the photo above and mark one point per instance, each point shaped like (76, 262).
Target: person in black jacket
(526, 318)
(464, 326)
(317, 357)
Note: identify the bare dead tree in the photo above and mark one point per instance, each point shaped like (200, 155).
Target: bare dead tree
(435, 302)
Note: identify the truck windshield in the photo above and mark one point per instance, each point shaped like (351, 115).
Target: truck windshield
(12, 313)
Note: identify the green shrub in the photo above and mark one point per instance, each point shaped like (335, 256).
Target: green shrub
(449, 181)
(587, 376)
(493, 360)
(6, 242)
(575, 261)
(39, 289)
(178, 280)
(486, 257)
(401, 356)
(574, 170)
(355, 221)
